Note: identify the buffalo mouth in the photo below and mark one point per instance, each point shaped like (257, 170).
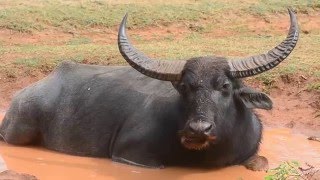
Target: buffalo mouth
(197, 142)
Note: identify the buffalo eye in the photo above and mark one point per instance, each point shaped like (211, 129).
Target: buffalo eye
(226, 86)
(183, 87)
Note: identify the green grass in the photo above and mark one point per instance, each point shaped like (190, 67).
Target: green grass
(264, 7)
(284, 171)
(291, 170)
(79, 40)
(29, 62)
(316, 73)
(87, 14)
(39, 15)
(314, 86)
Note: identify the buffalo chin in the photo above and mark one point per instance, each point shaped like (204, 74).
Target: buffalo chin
(195, 143)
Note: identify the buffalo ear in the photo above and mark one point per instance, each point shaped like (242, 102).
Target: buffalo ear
(254, 99)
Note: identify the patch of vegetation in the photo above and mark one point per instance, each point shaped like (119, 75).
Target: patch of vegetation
(291, 170)
(314, 86)
(71, 15)
(10, 72)
(38, 15)
(29, 62)
(79, 40)
(284, 171)
(289, 68)
(267, 78)
(274, 6)
(316, 73)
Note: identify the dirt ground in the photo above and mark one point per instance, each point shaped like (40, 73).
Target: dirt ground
(294, 107)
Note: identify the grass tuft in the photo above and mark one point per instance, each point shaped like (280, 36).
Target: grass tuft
(29, 62)
(79, 40)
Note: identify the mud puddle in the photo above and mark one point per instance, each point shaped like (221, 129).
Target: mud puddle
(278, 145)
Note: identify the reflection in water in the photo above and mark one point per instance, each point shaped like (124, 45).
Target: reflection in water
(3, 166)
(278, 145)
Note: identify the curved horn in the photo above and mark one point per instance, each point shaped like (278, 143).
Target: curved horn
(257, 64)
(158, 69)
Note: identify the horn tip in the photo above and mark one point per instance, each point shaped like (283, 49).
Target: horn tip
(291, 10)
(124, 19)
(123, 23)
(126, 15)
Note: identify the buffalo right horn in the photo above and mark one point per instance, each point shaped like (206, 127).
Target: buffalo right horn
(260, 63)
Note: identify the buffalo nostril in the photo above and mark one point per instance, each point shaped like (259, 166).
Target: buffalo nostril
(194, 127)
(208, 128)
(200, 127)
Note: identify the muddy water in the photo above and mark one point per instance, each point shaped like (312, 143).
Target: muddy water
(278, 145)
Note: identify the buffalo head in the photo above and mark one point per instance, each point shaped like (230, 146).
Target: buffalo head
(210, 86)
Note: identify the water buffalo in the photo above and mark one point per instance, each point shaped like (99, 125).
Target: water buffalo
(193, 112)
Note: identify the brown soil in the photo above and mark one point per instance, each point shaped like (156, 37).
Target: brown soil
(294, 107)
(10, 86)
(279, 24)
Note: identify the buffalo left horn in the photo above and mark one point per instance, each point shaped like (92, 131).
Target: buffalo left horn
(158, 69)
(260, 63)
